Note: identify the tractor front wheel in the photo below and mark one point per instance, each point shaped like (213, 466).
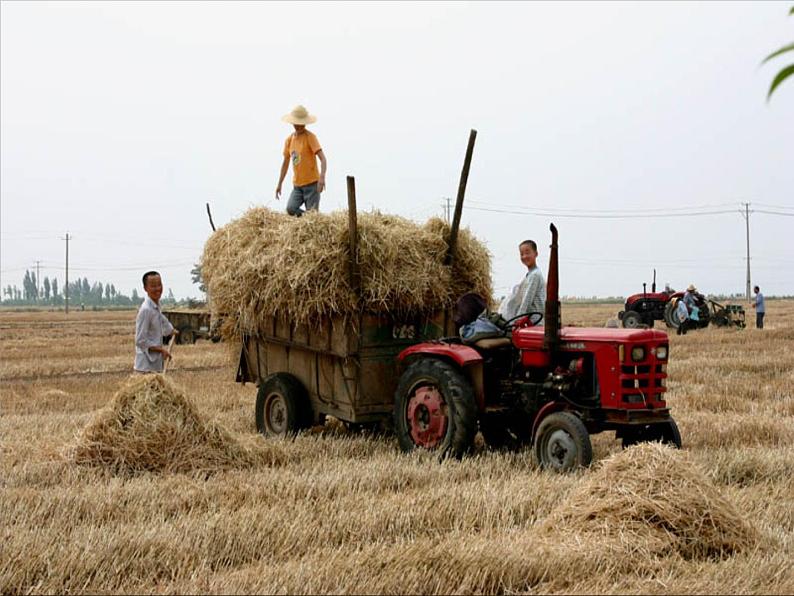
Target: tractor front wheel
(631, 319)
(435, 409)
(282, 406)
(562, 443)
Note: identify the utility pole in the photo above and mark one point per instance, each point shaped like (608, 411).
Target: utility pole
(66, 286)
(746, 216)
(38, 281)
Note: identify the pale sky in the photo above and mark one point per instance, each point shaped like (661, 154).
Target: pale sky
(120, 120)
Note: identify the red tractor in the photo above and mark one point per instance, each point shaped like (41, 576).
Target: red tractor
(645, 308)
(548, 386)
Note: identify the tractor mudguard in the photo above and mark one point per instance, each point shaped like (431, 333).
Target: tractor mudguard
(461, 355)
(549, 408)
(465, 357)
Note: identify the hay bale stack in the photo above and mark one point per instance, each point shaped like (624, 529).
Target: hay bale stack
(655, 498)
(150, 425)
(267, 263)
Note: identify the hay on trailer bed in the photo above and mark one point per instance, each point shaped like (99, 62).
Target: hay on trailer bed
(267, 263)
(151, 425)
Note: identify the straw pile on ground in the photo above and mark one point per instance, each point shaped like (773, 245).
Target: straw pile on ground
(150, 425)
(267, 263)
(654, 497)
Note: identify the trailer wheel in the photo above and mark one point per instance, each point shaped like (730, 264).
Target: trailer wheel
(631, 319)
(434, 408)
(185, 336)
(666, 432)
(282, 406)
(562, 443)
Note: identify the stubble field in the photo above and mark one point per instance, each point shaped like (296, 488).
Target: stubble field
(338, 512)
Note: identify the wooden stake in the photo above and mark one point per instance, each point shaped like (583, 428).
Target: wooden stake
(352, 220)
(464, 177)
(170, 347)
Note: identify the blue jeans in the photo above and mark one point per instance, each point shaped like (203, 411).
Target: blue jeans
(303, 195)
(759, 320)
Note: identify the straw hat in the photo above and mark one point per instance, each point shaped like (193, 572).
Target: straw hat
(691, 288)
(299, 115)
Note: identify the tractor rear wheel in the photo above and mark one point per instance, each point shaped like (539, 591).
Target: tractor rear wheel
(562, 443)
(435, 409)
(670, 316)
(665, 432)
(282, 406)
(631, 319)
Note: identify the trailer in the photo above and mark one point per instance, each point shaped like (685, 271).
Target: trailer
(343, 368)
(192, 325)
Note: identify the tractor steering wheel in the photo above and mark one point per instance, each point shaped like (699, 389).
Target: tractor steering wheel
(527, 319)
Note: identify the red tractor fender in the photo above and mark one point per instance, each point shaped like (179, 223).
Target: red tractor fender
(461, 355)
(465, 357)
(549, 408)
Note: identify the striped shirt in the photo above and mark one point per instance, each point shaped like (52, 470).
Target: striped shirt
(150, 328)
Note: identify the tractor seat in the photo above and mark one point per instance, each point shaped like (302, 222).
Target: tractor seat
(489, 343)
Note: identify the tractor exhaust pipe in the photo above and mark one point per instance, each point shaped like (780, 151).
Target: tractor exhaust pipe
(551, 338)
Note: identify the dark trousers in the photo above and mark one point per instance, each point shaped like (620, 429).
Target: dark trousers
(759, 320)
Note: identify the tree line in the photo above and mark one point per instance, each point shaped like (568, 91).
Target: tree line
(49, 292)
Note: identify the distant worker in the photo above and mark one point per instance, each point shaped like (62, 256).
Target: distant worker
(682, 314)
(760, 308)
(303, 149)
(150, 328)
(690, 297)
(530, 294)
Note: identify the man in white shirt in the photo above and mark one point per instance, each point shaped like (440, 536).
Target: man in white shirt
(530, 294)
(150, 328)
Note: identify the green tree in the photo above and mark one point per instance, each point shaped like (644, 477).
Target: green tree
(787, 71)
(47, 289)
(197, 277)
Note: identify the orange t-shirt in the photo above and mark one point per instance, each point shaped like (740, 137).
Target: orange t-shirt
(302, 150)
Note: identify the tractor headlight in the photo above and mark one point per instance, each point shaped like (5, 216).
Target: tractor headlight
(661, 352)
(638, 353)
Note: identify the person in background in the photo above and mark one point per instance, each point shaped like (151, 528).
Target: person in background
(150, 328)
(303, 149)
(682, 312)
(760, 308)
(689, 297)
(530, 294)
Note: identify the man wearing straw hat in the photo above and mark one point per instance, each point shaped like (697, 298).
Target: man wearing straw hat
(303, 149)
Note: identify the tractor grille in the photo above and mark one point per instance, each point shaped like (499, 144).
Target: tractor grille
(643, 383)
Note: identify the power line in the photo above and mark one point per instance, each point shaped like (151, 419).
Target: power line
(630, 211)
(773, 212)
(602, 216)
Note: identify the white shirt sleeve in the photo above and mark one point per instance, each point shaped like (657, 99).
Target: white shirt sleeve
(168, 328)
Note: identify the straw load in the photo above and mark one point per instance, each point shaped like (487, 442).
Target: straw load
(150, 425)
(653, 497)
(267, 263)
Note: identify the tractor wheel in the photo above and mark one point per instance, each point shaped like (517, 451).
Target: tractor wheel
(434, 408)
(631, 319)
(666, 432)
(670, 316)
(562, 443)
(282, 406)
